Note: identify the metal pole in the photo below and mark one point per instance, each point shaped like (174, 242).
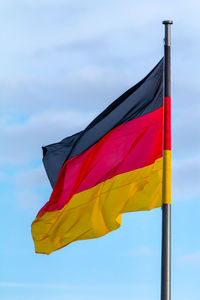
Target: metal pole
(166, 208)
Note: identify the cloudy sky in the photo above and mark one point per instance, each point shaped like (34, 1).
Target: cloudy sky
(62, 63)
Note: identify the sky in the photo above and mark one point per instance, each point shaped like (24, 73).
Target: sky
(62, 63)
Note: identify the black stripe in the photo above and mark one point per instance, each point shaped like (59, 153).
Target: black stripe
(141, 99)
(167, 68)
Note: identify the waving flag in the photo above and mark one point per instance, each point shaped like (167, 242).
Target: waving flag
(112, 167)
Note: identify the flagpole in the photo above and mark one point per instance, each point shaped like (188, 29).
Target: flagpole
(166, 208)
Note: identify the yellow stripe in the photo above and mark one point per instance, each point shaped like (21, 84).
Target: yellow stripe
(166, 195)
(97, 211)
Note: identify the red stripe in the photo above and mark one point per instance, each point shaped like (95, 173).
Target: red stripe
(129, 146)
(167, 123)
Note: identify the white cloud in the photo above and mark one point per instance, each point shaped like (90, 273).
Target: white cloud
(186, 178)
(141, 251)
(22, 141)
(2, 176)
(191, 259)
(73, 292)
(28, 199)
(28, 187)
(30, 285)
(85, 88)
(31, 178)
(36, 3)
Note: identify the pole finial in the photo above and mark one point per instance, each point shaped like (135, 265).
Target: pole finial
(167, 39)
(167, 22)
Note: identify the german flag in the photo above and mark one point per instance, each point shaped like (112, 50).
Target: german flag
(112, 167)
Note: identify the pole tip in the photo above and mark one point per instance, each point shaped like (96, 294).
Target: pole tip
(167, 22)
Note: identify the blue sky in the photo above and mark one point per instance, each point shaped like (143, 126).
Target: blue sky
(62, 63)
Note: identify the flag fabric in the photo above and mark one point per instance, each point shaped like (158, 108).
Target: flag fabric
(112, 167)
